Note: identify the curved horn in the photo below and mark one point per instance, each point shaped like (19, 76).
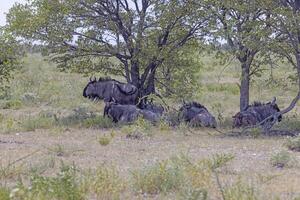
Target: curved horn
(90, 78)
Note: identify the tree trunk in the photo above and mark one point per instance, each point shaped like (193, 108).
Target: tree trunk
(245, 86)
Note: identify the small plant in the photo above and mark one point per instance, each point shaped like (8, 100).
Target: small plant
(105, 183)
(255, 132)
(190, 180)
(281, 159)
(4, 193)
(98, 122)
(39, 122)
(58, 150)
(161, 177)
(293, 144)
(63, 186)
(240, 191)
(104, 140)
(220, 160)
(13, 104)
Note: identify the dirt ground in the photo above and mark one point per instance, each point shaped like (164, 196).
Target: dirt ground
(81, 146)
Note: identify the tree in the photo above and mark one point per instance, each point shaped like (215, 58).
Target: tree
(285, 41)
(9, 58)
(141, 35)
(241, 25)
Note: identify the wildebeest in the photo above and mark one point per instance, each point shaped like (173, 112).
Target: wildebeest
(121, 113)
(197, 115)
(109, 89)
(129, 113)
(255, 114)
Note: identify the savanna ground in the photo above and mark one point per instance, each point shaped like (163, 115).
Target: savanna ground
(55, 144)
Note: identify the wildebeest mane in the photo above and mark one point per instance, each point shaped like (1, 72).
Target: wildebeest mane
(194, 104)
(103, 79)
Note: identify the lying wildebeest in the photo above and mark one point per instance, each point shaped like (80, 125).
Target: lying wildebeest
(158, 109)
(197, 115)
(255, 114)
(109, 89)
(129, 113)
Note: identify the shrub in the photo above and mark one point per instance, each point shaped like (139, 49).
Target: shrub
(293, 144)
(4, 193)
(105, 140)
(64, 186)
(240, 191)
(161, 177)
(105, 183)
(281, 159)
(39, 122)
(12, 104)
(98, 122)
(179, 174)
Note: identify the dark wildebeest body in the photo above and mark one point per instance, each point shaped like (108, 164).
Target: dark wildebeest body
(111, 90)
(129, 113)
(197, 115)
(255, 114)
(121, 113)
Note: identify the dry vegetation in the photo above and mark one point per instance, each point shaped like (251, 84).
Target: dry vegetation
(55, 144)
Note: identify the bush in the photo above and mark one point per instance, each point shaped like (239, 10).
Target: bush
(98, 122)
(105, 140)
(190, 180)
(293, 144)
(161, 177)
(4, 194)
(281, 159)
(39, 122)
(64, 186)
(240, 191)
(105, 183)
(12, 104)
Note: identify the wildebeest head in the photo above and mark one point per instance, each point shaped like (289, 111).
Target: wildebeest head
(197, 115)
(108, 89)
(256, 113)
(189, 110)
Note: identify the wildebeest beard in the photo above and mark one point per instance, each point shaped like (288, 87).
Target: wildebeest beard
(197, 115)
(255, 114)
(111, 90)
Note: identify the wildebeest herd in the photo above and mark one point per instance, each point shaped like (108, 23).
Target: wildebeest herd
(122, 105)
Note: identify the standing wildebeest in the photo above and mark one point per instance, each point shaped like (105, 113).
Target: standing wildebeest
(109, 89)
(129, 113)
(255, 114)
(197, 115)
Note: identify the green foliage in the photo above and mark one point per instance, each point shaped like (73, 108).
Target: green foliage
(178, 174)
(104, 140)
(219, 160)
(241, 191)
(293, 143)
(98, 122)
(40, 122)
(104, 182)
(9, 55)
(282, 159)
(135, 50)
(64, 186)
(4, 193)
(12, 104)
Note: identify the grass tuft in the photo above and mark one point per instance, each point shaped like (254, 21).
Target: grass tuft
(293, 144)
